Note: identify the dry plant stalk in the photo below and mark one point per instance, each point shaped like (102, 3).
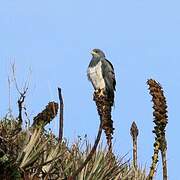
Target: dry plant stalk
(104, 106)
(61, 118)
(22, 92)
(134, 133)
(46, 116)
(20, 105)
(160, 120)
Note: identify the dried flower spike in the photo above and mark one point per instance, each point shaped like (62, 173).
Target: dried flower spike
(160, 120)
(104, 106)
(46, 116)
(134, 133)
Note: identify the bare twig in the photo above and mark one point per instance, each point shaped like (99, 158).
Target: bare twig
(26, 83)
(14, 78)
(61, 119)
(9, 94)
(22, 93)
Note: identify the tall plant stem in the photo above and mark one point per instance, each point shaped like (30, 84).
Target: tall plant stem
(61, 118)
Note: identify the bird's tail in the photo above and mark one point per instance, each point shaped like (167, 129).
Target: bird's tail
(110, 96)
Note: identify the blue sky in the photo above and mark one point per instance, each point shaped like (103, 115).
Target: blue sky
(54, 39)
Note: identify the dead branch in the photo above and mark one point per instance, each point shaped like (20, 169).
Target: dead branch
(22, 94)
(61, 119)
(20, 104)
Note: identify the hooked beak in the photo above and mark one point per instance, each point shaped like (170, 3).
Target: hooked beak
(93, 53)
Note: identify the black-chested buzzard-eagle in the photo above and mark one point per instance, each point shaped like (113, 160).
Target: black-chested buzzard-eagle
(101, 74)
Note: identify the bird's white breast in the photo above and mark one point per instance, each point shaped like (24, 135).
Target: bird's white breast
(95, 74)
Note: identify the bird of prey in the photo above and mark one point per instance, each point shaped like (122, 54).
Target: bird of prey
(101, 74)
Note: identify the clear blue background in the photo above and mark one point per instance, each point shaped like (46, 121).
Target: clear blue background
(54, 39)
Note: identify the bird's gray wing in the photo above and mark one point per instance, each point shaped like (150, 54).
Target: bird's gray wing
(109, 77)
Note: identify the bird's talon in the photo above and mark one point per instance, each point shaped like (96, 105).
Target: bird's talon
(101, 93)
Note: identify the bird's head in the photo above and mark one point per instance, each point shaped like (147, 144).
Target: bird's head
(97, 53)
